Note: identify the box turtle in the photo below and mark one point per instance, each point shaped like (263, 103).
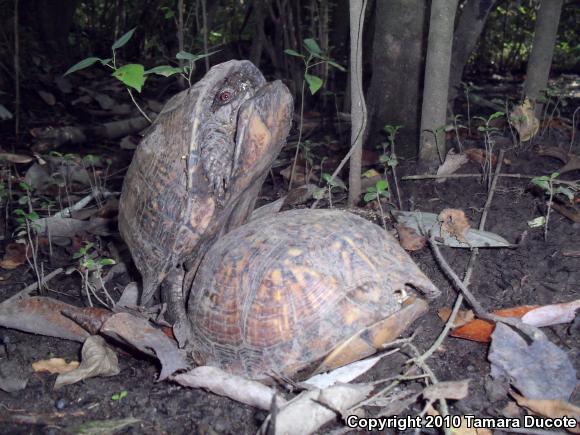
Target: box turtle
(198, 171)
(289, 290)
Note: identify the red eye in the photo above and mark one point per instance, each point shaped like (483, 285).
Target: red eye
(225, 96)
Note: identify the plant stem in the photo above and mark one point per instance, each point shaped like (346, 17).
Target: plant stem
(299, 136)
(139, 107)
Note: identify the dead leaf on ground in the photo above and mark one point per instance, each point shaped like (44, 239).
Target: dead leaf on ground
(463, 316)
(465, 428)
(524, 120)
(96, 427)
(539, 369)
(97, 360)
(16, 158)
(552, 314)
(409, 239)
(54, 365)
(47, 97)
(481, 330)
(550, 408)
(453, 161)
(149, 340)
(454, 390)
(454, 223)
(479, 156)
(14, 256)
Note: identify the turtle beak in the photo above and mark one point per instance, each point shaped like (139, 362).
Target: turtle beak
(262, 127)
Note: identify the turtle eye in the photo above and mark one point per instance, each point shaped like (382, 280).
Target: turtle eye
(225, 96)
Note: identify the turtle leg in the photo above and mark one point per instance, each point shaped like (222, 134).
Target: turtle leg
(172, 293)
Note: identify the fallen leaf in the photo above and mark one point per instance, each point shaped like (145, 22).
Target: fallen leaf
(16, 158)
(479, 156)
(454, 390)
(454, 223)
(47, 97)
(54, 365)
(102, 427)
(452, 163)
(14, 256)
(481, 330)
(463, 316)
(552, 314)
(97, 360)
(524, 120)
(409, 239)
(538, 369)
(149, 340)
(550, 408)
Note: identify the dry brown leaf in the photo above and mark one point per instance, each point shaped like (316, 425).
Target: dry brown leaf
(550, 408)
(54, 365)
(478, 155)
(97, 360)
(14, 256)
(481, 330)
(463, 316)
(452, 163)
(465, 427)
(511, 410)
(454, 223)
(409, 239)
(16, 158)
(455, 390)
(552, 314)
(47, 97)
(524, 120)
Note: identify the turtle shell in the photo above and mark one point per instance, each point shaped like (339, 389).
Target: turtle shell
(283, 291)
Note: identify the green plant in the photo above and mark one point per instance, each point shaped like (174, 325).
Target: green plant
(374, 193)
(489, 132)
(313, 58)
(546, 183)
(133, 75)
(467, 88)
(27, 224)
(90, 267)
(552, 96)
(117, 397)
(331, 183)
(389, 160)
(456, 126)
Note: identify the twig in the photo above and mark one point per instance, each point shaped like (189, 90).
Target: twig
(523, 176)
(34, 286)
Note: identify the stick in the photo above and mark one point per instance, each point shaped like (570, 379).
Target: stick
(522, 176)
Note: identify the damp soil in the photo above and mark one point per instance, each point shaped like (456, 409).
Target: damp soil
(535, 273)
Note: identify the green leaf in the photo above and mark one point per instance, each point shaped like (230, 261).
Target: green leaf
(32, 216)
(336, 65)
(133, 75)
(382, 185)
(106, 61)
(85, 63)
(25, 186)
(312, 47)
(496, 115)
(294, 53)
(543, 182)
(167, 12)
(314, 83)
(537, 222)
(370, 196)
(164, 70)
(107, 262)
(184, 55)
(319, 193)
(569, 193)
(19, 212)
(123, 39)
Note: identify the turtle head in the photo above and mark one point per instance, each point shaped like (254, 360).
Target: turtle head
(221, 93)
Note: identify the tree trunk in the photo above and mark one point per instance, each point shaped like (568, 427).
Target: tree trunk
(259, 36)
(467, 33)
(542, 50)
(436, 87)
(394, 92)
(358, 109)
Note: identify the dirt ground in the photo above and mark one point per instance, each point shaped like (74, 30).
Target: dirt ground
(535, 273)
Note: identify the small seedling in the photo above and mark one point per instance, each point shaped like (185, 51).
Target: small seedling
(389, 161)
(546, 183)
(117, 397)
(331, 183)
(456, 126)
(133, 75)
(374, 193)
(90, 267)
(489, 132)
(314, 57)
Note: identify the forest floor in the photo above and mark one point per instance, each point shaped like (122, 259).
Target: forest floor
(540, 271)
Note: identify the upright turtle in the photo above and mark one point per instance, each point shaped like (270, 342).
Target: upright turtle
(198, 171)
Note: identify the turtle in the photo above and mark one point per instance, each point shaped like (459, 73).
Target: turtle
(302, 290)
(197, 174)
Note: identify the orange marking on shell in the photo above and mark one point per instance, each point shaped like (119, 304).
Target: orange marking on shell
(360, 253)
(294, 252)
(276, 277)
